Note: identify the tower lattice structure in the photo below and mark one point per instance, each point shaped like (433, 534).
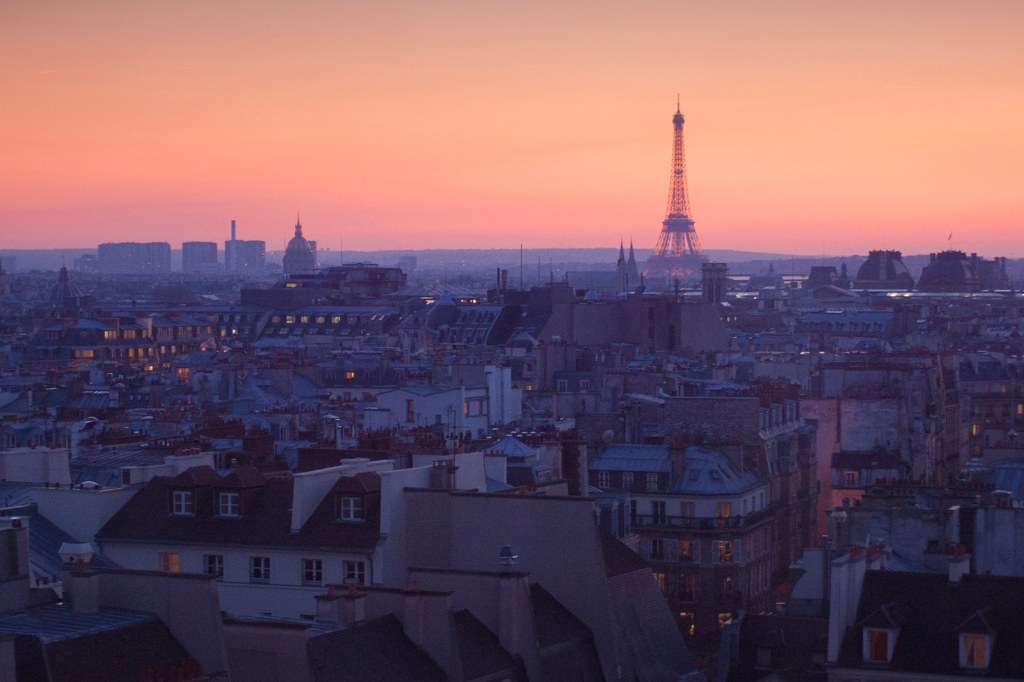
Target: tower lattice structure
(678, 253)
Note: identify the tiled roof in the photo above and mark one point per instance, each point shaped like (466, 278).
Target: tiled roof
(373, 650)
(618, 558)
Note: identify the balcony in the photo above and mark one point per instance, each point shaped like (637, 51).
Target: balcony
(659, 521)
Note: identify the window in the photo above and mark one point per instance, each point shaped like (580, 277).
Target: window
(652, 482)
(181, 503)
(686, 620)
(604, 479)
(230, 504)
(657, 548)
(355, 572)
(727, 584)
(688, 585)
(350, 509)
(724, 551)
(659, 579)
(410, 411)
(627, 480)
(312, 572)
(723, 510)
(878, 645)
(723, 618)
(213, 564)
(170, 562)
(259, 569)
(658, 512)
(974, 651)
(850, 479)
(688, 551)
(688, 509)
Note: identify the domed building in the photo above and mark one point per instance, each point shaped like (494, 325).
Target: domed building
(955, 271)
(884, 270)
(300, 256)
(65, 296)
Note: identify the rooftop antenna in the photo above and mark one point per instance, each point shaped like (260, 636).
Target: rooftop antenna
(522, 284)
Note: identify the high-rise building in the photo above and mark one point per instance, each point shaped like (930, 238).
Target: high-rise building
(134, 258)
(244, 256)
(199, 256)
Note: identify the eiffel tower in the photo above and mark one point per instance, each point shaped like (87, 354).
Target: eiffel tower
(678, 254)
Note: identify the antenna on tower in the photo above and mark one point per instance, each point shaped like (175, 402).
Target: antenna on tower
(678, 107)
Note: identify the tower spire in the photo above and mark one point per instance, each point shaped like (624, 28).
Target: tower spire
(678, 253)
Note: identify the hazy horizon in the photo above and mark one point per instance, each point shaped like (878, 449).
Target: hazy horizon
(823, 126)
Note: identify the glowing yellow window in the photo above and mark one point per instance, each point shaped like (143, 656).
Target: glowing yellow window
(170, 562)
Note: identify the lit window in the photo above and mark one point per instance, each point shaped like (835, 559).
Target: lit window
(289, 319)
(170, 562)
(688, 550)
(312, 572)
(724, 551)
(230, 504)
(320, 319)
(213, 564)
(659, 580)
(350, 508)
(687, 621)
(878, 645)
(335, 319)
(181, 503)
(604, 479)
(304, 319)
(355, 572)
(723, 510)
(974, 651)
(350, 375)
(259, 569)
(723, 618)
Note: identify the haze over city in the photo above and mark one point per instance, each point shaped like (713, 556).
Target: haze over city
(812, 127)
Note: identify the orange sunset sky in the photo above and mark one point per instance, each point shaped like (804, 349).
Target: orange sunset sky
(811, 126)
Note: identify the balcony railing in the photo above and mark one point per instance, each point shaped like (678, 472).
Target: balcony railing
(699, 522)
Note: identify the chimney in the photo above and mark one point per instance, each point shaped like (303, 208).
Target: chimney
(328, 607)
(84, 586)
(412, 616)
(232, 230)
(959, 564)
(354, 606)
(442, 474)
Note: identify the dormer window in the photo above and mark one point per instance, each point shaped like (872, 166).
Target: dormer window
(181, 503)
(229, 504)
(350, 509)
(975, 650)
(878, 645)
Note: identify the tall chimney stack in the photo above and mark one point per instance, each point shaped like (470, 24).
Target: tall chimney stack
(232, 230)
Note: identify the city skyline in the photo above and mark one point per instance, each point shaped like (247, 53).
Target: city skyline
(811, 127)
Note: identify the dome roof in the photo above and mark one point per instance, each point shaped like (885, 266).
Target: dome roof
(299, 256)
(64, 293)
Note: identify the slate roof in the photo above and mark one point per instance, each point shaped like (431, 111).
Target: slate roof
(632, 457)
(793, 642)
(566, 644)
(373, 650)
(709, 472)
(480, 653)
(618, 558)
(131, 652)
(931, 612)
(265, 518)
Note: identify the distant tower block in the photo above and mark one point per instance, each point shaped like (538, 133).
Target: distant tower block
(713, 282)
(678, 254)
